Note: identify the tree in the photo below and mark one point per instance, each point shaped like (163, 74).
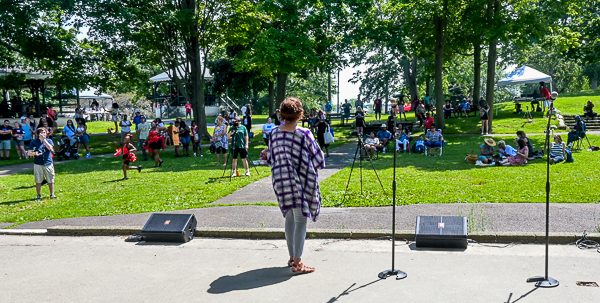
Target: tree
(178, 35)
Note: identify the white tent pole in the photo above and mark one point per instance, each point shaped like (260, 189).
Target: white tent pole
(550, 85)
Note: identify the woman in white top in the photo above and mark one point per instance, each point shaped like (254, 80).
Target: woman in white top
(125, 128)
(266, 130)
(69, 131)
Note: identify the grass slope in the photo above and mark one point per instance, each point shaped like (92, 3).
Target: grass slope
(91, 188)
(449, 179)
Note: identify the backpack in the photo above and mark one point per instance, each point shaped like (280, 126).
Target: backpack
(569, 156)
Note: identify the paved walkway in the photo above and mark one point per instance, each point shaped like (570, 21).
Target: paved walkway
(107, 269)
(262, 190)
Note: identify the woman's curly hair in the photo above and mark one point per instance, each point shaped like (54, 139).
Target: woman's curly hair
(291, 109)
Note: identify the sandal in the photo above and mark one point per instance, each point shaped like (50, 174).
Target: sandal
(291, 263)
(302, 269)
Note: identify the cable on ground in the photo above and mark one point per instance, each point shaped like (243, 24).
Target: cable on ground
(586, 243)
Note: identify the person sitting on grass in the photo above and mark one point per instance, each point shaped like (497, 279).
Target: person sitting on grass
(520, 158)
(487, 151)
(558, 150)
(588, 110)
(433, 139)
(506, 150)
(129, 156)
(419, 146)
(371, 143)
(522, 135)
(384, 137)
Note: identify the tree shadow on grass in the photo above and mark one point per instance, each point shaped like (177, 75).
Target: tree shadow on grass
(9, 203)
(24, 187)
(250, 280)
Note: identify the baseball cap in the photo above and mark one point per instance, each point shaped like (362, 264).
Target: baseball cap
(23, 118)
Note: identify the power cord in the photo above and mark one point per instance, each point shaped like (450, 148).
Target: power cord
(586, 243)
(493, 245)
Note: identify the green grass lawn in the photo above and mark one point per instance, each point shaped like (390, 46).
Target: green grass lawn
(572, 103)
(91, 188)
(449, 179)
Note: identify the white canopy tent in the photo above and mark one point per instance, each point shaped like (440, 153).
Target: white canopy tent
(524, 75)
(164, 77)
(93, 94)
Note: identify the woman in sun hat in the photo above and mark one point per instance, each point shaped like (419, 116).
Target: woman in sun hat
(487, 151)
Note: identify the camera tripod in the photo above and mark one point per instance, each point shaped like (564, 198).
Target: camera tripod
(527, 114)
(360, 147)
(249, 160)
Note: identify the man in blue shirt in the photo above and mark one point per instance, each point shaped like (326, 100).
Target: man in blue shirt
(137, 119)
(328, 107)
(384, 136)
(41, 149)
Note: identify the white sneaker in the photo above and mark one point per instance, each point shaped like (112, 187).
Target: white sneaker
(482, 133)
(233, 174)
(247, 174)
(195, 155)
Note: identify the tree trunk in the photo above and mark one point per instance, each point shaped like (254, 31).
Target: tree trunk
(440, 24)
(492, 12)
(594, 83)
(281, 81)
(413, 77)
(410, 76)
(477, 71)
(428, 85)
(271, 97)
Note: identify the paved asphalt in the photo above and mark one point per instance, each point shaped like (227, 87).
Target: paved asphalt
(108, 269)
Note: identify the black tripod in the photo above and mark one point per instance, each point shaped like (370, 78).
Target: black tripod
(393, 272)
(360, 147)
(545, 281)
(235, 140)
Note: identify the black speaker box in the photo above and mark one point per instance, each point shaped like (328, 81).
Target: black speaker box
(441, 232)
(169, 228)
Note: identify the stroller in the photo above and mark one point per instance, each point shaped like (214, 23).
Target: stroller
(67, 150)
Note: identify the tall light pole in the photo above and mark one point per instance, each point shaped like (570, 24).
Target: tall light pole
(328, 86)
(338, 92)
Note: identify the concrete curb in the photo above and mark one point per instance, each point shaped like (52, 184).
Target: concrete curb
(278, 233)
(24, 232)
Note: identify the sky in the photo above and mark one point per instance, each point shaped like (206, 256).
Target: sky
(348, 90)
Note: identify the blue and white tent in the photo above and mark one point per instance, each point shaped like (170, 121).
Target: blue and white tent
(525, 75)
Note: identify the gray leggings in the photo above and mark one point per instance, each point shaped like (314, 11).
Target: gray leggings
(295, 231)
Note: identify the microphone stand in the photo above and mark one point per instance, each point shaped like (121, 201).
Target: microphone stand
(393, 272)
(545, 281)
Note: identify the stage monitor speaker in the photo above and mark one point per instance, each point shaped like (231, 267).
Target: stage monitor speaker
(169, 228)
(441, 232)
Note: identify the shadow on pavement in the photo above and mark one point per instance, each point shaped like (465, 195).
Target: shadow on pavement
(251, 279)
(521, 297)
(349, 290)
(413, 246)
